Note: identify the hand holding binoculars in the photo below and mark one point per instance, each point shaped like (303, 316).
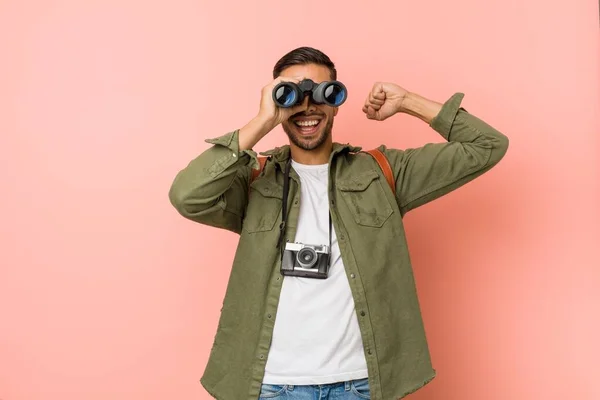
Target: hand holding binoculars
(289, 94)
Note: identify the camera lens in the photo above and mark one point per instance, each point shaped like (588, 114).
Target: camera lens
(334, 95)
(307, 257)
(285, 95)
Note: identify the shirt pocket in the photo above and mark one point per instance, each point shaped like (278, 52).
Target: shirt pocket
(264, 206)
(366, 198)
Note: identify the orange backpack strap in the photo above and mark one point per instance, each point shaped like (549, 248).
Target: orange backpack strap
(256, 172)
(385, 167)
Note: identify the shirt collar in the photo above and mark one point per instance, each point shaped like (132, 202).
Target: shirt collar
(281, 154)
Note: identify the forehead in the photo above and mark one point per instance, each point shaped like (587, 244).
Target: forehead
(318, 73)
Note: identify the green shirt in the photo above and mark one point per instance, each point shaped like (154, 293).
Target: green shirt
(367, 217)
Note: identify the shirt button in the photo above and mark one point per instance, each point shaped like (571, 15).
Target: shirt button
(342, 237)
(278, 277)
(262, 356)
(369, 351)
(296, 202)
(332, 202)
(269, 315)
(362, 313)
(352, 276)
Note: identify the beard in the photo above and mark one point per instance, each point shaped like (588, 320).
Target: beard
(312, 143)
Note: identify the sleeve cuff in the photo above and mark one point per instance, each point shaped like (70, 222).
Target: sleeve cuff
(231, 141)
(442, 123)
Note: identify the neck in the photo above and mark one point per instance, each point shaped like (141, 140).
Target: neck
(316, 156)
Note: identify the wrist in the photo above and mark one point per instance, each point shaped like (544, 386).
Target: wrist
(253, 131)
(420, 107)
(408, 104)
(266, 124)
(402, 104)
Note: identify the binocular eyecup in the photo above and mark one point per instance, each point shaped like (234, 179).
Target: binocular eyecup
(289, 94)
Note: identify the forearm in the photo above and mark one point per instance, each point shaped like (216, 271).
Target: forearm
(252, 132)
(420, 107)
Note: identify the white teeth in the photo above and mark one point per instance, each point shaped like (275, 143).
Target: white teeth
(307, 123)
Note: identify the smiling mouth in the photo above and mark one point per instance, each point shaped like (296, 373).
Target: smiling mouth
(307, 126)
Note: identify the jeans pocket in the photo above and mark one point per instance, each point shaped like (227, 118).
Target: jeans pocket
(360, 387)
(271, 391)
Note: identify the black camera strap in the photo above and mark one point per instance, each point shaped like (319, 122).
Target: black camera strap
(282, 226)
(286, 188)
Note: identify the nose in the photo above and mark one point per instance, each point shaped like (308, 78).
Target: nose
(310, 107)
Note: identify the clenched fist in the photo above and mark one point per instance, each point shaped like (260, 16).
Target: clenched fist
(384, 100)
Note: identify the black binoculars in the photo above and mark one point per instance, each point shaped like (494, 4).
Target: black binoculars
(289, 94)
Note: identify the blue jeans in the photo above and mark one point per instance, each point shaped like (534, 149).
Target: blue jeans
(348, 390)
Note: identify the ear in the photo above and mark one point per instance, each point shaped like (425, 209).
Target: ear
(335, 111)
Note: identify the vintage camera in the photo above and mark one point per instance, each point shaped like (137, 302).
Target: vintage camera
(305, 260)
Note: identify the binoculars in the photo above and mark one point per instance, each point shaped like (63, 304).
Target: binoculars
(289, 94)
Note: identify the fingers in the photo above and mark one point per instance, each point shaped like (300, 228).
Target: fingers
(376, 105)
(370, 111)
(271, 86)
(374, 101)
(294, 79)
(279, 79)
(379, 96)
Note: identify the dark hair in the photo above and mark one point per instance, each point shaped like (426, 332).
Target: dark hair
(304, 55)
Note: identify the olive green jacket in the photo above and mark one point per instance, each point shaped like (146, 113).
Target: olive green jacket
(367, 217)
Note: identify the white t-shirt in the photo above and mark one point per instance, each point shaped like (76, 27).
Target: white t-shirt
(316, 338)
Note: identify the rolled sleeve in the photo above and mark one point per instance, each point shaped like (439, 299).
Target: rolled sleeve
(442, 123)
(229, 145)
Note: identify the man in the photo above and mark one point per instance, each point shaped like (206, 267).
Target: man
(357, 333)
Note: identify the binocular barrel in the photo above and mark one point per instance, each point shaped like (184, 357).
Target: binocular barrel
(289, 94)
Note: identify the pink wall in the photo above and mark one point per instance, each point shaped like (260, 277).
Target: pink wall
(106, 293)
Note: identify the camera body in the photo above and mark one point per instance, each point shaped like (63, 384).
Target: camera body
(305, 260)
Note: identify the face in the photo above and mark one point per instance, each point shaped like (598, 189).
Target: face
(300, 127)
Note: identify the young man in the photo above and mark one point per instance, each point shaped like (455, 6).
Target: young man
(356, 332)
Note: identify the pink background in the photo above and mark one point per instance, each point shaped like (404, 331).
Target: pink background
(106, 293)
